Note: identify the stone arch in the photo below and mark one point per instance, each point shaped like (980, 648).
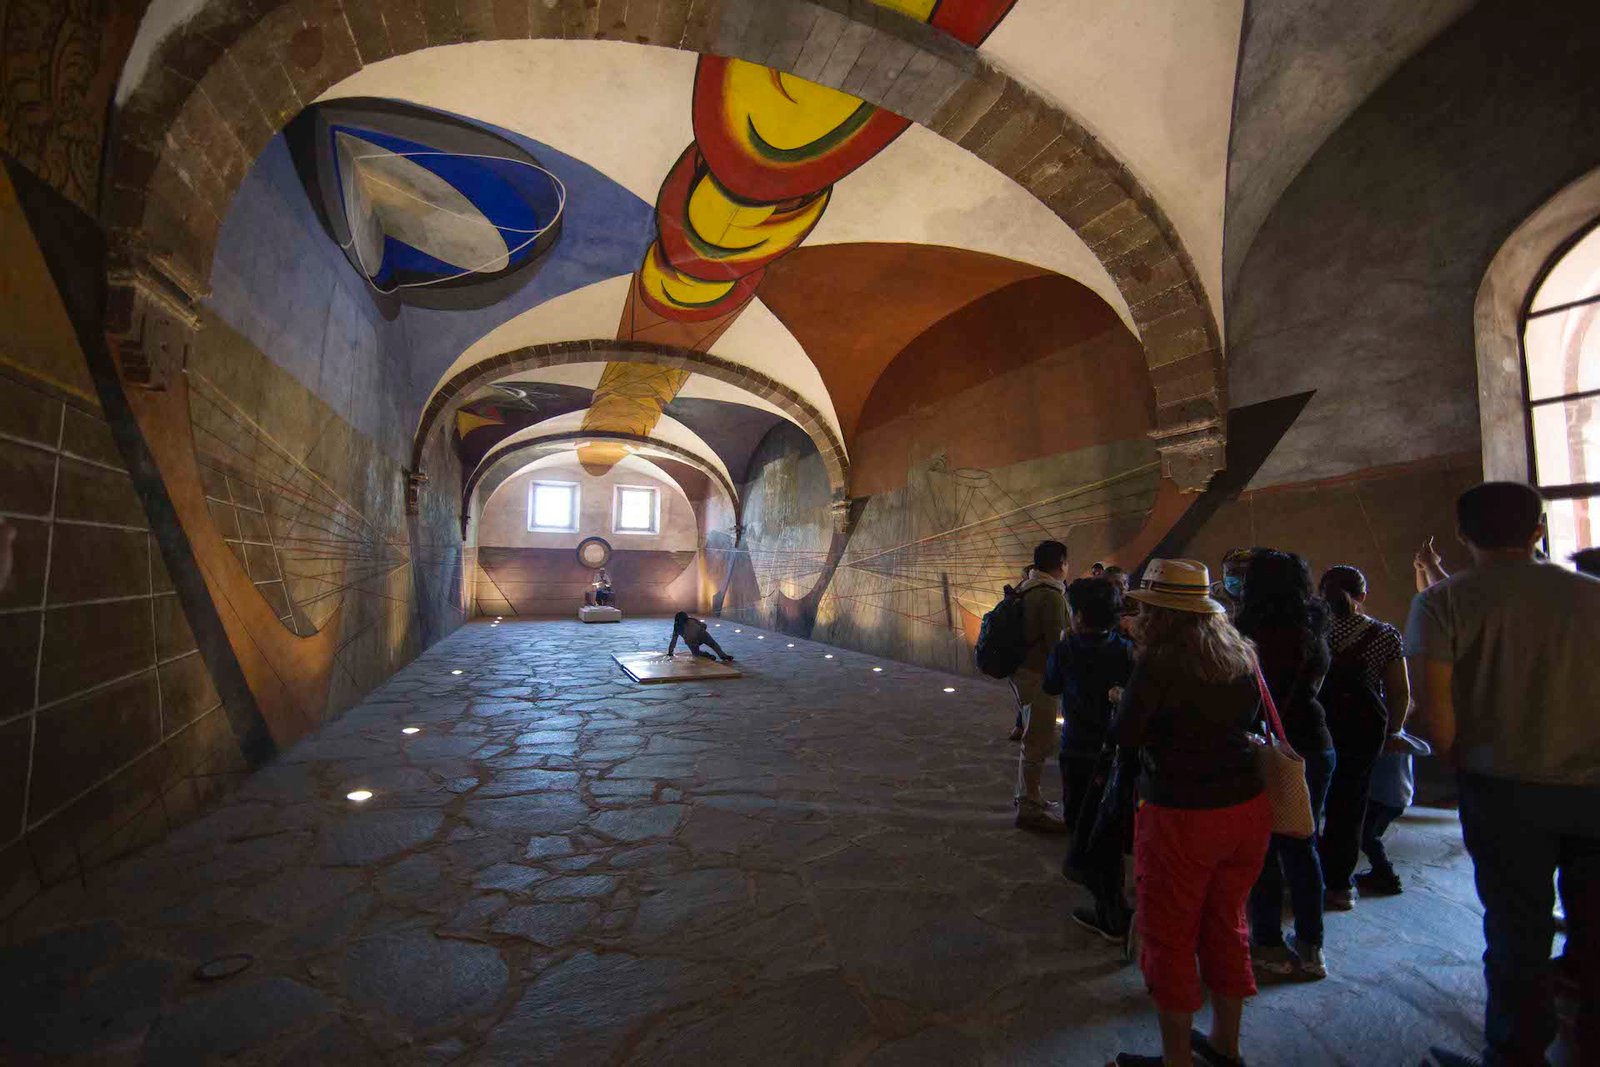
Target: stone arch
(497, 458)
(459, 388)
(1503, 296)
(219, 87)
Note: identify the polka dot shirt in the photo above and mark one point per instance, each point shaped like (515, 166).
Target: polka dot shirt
(1381, 650)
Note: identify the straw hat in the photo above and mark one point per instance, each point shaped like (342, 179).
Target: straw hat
(1179, 584)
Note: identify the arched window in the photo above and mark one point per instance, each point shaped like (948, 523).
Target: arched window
(1561, 384)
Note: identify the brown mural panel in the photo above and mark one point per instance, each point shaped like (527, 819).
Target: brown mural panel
(97, 562)
(551, 581)
(83, 740)
(1039, 368)
(909, 287)
(119, 634)
(1373, 520)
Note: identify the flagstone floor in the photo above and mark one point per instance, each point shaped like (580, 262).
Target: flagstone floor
(812, 864)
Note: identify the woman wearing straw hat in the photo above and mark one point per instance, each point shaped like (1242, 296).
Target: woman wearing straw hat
(1201, 831)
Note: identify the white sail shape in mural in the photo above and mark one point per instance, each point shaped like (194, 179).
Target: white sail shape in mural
(388, 195)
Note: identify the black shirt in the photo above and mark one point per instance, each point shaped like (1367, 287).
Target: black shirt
(1082, 669)
(1295, 664)
(1192, 736)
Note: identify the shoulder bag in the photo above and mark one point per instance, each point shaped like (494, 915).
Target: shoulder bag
(1283, 774)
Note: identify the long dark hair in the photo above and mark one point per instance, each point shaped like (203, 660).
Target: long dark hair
(1277, 592)
(1343, 587)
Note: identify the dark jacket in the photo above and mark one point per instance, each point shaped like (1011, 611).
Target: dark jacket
(1192, 737)
(1295, 664)
(1081, 669)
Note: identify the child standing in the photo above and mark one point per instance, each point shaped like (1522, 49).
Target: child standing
(1393, 788)
(1088, 670)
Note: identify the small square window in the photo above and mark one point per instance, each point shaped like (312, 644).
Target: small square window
(637, 510)
(553, 507)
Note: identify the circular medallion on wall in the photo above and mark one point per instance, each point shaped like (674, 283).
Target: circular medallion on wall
(594, 552)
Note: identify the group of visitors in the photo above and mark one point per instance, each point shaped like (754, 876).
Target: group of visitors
(1176, 724)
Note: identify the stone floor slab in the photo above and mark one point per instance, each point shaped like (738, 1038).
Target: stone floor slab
(816, 865)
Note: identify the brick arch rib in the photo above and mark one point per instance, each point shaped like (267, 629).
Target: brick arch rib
(221, 86)
(496, 458)
(453, 393)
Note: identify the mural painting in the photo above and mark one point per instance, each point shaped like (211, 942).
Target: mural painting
(768, 149)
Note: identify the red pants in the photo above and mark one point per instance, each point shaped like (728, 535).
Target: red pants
(1194, 869)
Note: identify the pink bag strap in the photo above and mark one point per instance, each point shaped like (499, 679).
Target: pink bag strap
(1271, 707)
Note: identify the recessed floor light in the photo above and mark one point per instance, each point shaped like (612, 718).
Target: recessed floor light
(949, 689)
(877, 670)
(761, 637)
(791, 644)
(411, 730)
(359, 795)
(828, 656)
(738, 631)
(455, 672)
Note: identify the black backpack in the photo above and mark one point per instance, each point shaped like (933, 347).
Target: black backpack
(1358, 718)
(1003, 637)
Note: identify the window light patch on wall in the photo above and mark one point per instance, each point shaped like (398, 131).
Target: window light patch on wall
(636, 509)
(553, 507)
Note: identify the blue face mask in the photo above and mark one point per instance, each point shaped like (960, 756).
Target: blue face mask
(1234, 584)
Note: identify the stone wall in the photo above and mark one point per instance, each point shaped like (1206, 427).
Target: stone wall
(111, 730)
(314, 510)
(1361, 282)
(1373, 519)
(504, 519)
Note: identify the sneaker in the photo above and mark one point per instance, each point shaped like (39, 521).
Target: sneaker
(1378, 884)
(1206, 1053)
(1089, 919)
(1312, 965)
(1273, 959)
(1339, 900)
(1039, 818)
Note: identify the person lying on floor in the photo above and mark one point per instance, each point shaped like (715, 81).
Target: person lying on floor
(695, 634)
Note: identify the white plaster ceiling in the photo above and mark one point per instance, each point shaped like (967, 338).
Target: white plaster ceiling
(579, 315)
(624, 109)
(635, 465)
(924, 190)
(667, 429)
(621, 108)
(758, 340)
(1153, 80)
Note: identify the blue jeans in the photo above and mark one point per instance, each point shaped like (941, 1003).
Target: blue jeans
(1294, 860)
(1520, 834)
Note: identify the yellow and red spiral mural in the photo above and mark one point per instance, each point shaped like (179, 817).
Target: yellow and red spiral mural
(768, 149)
